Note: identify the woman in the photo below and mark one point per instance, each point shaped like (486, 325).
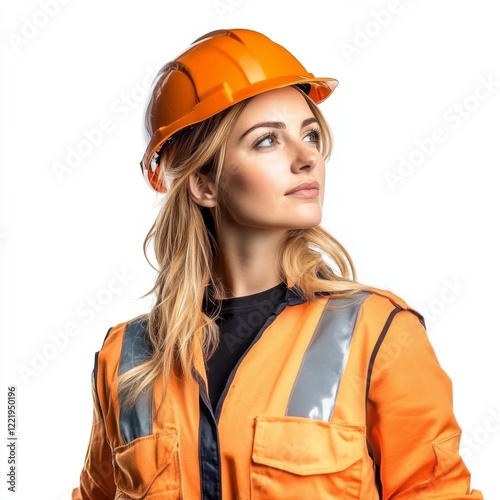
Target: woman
(265, 370)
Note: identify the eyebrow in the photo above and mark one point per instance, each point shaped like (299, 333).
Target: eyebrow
(278, 125)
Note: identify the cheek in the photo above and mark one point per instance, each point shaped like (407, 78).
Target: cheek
(322, 180)
(246, 182)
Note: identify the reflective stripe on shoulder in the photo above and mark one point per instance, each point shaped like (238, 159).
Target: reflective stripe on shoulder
(135, 420)
(315, 390)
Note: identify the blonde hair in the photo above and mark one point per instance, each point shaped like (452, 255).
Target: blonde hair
(186, 252)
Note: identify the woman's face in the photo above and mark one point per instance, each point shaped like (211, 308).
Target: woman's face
(273, 173)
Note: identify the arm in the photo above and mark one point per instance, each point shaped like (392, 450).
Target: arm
(97, 477)
(411, 425)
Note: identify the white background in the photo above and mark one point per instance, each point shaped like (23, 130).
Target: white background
(432, 239)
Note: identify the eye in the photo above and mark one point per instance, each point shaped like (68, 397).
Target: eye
(267, 141)
(313, 136)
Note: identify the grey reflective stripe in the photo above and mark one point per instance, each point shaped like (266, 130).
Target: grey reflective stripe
(136, 420)
(315, 390)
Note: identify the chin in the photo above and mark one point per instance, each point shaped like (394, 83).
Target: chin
(311, 218)
(306, 222)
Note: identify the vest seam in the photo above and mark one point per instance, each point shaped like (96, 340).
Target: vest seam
(371, 364)
(377, 346)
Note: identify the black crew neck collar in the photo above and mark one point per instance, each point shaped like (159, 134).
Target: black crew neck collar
(273, 294)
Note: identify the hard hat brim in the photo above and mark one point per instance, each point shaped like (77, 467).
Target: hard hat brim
(320, 89)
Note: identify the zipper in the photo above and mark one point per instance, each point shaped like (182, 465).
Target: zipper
(208, 447)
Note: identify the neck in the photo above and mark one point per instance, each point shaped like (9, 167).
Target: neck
(248, 261)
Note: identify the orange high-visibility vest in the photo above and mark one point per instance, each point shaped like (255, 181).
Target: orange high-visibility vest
(340, 398)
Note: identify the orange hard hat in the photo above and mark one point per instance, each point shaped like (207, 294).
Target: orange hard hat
(218, 70)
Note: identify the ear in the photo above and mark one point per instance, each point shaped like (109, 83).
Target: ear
(203, 190)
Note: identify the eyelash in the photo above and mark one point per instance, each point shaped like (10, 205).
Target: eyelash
(269, 135)
(316, 133)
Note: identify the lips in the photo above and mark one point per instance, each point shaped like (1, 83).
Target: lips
(305, 189)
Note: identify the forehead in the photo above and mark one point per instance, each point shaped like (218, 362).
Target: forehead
(286, 104)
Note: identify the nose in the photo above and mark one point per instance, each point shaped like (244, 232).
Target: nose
(305, 156)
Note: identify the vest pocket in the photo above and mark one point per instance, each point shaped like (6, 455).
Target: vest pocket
(149, 466)
(297, 458)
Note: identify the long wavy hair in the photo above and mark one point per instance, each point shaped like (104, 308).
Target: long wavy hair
(186, 253)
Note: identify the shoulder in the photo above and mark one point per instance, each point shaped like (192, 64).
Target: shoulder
(380, 303)
(117, 332)
(380, 296)
(126, 343)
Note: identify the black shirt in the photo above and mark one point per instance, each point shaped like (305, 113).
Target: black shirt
(240, 320)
